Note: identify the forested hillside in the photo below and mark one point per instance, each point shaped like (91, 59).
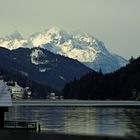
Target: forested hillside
(123, 84)
(38, 90)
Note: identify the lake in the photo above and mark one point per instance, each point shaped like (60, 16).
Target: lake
(120, 121)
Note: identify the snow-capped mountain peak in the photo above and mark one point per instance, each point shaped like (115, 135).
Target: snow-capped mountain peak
(79, 45)
(13, 41)
(54, 30)
(53, 35)
(14, 35)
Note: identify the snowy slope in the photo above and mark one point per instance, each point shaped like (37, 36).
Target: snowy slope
(15, 41)
(80, 46)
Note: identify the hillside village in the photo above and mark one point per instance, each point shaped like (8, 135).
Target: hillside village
(17, 92)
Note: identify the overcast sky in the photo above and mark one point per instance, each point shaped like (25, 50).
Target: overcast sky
(115, 22)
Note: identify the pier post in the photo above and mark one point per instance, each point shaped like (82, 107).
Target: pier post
(2, 111)
(39, 128)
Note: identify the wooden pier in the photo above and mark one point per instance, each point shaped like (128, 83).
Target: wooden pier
(22, 125)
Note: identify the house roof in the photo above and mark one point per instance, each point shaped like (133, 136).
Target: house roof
(5, 96)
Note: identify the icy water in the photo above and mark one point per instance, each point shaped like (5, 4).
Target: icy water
(120, 121)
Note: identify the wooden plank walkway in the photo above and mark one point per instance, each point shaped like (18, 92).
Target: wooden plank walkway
(21, 125)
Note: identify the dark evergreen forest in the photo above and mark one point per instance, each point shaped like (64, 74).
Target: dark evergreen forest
(123, 84)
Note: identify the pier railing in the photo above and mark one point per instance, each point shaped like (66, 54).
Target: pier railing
(21, 125)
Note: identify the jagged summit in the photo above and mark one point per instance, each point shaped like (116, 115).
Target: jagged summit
(54, 29)
(14, 35)
(13, 41)
(53, 35)
(79, 45)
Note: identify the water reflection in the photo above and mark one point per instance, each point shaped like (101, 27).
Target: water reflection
(80, 120)
(133, 116)
(111, 120)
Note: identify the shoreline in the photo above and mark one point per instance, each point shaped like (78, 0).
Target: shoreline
(16, 135)
(75, 103)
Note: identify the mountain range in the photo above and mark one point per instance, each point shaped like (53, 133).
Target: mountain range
(79, 46)
(41, 66)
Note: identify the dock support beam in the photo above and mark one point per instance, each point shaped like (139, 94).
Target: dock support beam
(2, 112)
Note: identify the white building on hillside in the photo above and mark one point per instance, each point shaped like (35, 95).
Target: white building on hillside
(16, 91)
(5, 95)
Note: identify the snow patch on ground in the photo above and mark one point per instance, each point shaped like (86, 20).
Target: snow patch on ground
(42, 70)
(61, 77)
